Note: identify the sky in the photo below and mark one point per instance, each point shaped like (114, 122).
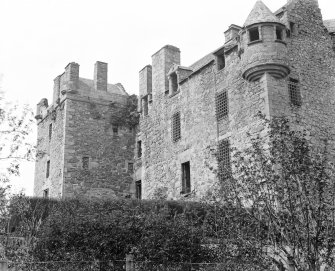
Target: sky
(40, 37)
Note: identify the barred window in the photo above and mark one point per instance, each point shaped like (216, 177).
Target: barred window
(223, 158)
(85, 162)
(176, 127)
(48, 169)
(222, 105)
(294, 92)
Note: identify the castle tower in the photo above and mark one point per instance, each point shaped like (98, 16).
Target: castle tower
(85, 142)
(263, 42)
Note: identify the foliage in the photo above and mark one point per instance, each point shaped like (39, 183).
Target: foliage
(162, 232)
(286, 184)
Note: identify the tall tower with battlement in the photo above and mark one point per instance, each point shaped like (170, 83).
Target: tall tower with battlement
(85, 141)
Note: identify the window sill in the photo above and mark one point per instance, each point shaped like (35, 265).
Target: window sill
(174, 93)
(255, 42)
(281, 41)
(185, 194)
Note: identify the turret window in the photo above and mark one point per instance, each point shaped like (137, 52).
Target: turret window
(254, 34)
(279, 33)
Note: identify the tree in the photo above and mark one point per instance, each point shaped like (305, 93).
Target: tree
(286, 184)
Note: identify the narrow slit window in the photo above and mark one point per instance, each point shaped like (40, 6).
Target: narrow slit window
(50, 131)
(115, 130)
(224, 159)
(176, 127)
(254, 34)
(294, 92)
(138, 189)
(222, 108)
(48, 169)
(186, 178)
(86, 162)
(139, 149)
(46, 193)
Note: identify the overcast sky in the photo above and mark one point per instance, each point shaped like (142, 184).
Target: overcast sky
(40, 37)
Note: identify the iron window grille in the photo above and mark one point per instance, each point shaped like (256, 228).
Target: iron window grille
(222, 108)
(294, 92)
(176, 127)
(223, 157)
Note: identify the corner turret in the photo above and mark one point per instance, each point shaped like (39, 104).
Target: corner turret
(264, 46)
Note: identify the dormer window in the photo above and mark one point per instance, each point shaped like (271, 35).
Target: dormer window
(173, 83)
(220, 61)
(254, 34)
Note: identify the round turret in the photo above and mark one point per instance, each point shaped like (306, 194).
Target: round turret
(263, 42)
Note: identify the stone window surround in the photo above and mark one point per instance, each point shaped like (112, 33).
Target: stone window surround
(275, 25)
(185, 178)
(139, 148)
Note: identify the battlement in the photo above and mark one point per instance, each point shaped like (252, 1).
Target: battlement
(69, 85)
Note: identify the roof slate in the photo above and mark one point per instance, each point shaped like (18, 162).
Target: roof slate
(88, 84)
(261, 14)
(330, 25)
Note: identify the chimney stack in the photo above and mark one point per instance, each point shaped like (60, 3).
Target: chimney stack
(72, 75)
(100, 76)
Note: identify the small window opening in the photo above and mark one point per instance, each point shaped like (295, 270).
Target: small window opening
(138, 189)
(85, 162)
(174, 82)
(220, 60)
(46, 193)
(115, 130)
(222, 108)
(139, 149)
(294, 92)
(254, 34)
(50, 131)
(279, 33)
(292, 27)
(48, 169)
(223, 159)
(145, 105)
(176, 127)
(186, 178)
(130, 167)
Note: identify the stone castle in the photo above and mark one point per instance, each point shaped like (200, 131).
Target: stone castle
(279, 64)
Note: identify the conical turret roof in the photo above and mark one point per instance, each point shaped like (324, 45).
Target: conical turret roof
(261, 14)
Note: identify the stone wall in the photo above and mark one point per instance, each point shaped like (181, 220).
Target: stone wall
(308, 54)
(95, 129)
(50, 150)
